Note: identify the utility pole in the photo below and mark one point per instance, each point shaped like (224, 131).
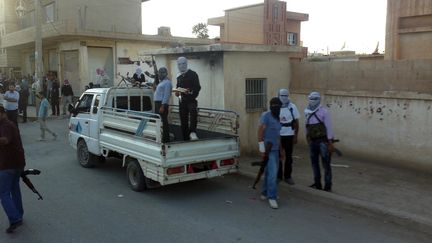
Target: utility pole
(38, 41)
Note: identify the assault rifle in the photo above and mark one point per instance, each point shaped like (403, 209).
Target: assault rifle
(262, 164)
(155, 75)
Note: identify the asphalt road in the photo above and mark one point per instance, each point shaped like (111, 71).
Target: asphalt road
(96, 205)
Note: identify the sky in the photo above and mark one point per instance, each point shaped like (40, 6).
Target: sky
(360, 24)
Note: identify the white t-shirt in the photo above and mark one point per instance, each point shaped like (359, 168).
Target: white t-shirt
(286, 117)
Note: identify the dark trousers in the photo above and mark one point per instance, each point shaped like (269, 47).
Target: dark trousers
(188, 108)
(23, 109)
(165, 125)
(317, 150)
(287, 145)
(13, 116)
(55, 106)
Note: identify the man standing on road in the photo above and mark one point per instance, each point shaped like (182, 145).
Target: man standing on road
(12, 97)
(289, 116)
(12, 163)
(42, 117)
(319, 135)
(268, 141)
(67, 95)
(161, 99)
(188, 81)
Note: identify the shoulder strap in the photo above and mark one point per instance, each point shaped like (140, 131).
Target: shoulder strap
(313, 114)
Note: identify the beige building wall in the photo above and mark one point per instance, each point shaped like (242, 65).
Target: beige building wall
(409, 29)
(238, 66)
(245, 25)
(102, 15)
(381, 110)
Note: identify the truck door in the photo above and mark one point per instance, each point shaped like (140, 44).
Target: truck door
(83, 108)
(93, 120)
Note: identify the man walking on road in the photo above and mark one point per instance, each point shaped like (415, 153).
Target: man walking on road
(289, 116)
(42, 117)
(12, 163)
(268, 142)
(189, 82)
(319, 135)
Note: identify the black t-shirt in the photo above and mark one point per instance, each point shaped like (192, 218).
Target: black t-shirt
(189, 80)
(11, 154)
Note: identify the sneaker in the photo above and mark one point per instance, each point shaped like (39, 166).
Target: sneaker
(13, 226)
(273, 203)
(290, 181)
(263, 197)
(193, 136)
(41, 139)
(327, 188)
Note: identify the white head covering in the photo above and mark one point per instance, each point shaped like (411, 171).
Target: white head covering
(314, 100)
(284, 97)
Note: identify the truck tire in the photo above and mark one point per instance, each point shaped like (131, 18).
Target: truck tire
(85, 158)
(135, 175)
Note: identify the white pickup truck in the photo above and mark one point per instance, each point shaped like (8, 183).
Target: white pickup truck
(119, 121)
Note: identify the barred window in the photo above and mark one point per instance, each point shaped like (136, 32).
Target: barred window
(256, 94)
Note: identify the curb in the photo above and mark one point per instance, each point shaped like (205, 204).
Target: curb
(411, 221)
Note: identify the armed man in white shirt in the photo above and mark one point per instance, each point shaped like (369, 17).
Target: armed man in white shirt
(289, 119)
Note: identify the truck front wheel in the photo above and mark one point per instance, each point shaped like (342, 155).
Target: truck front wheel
(85, 158)
(136, 176)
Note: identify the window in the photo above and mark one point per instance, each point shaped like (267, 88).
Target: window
(275, 12)
(122, 103)
(292, 39)
(256, 94)
(49, 12)
(96, 104)
(84, 103)
(29, 19)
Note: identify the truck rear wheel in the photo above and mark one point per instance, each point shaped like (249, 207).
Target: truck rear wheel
(136, 177)
(85, 158)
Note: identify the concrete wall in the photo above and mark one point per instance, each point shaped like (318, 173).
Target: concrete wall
(102, 15)
(381, 110)
(238, 66)
(245, 25)
(209, 68)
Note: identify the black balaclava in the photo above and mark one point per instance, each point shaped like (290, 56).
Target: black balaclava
(275, 107)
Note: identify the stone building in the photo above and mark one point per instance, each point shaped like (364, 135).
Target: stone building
(266, 23)
(409, 29)
(79, 37)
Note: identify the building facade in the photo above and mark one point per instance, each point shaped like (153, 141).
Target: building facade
(408, 29)
(81, 39)
(267, 23)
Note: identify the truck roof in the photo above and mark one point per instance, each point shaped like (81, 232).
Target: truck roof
(120, 91)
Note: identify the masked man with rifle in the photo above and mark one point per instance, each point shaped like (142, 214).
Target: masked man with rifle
(12, 163)
(268, 142)
(319, 135)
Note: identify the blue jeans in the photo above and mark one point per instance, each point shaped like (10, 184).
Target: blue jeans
(10, 194)
(317, 150)
(271, 170)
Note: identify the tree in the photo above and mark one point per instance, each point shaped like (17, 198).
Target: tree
(200, 30)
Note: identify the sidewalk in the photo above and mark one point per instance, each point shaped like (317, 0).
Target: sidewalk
(31, 114)
(393, 194)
